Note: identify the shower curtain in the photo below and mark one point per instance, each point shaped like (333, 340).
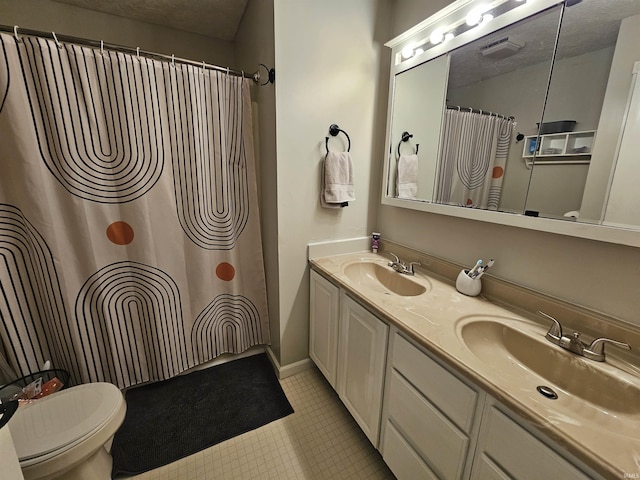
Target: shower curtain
(474, 151)
(130, 242)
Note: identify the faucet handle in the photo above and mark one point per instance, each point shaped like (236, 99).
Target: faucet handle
(397, 260)
(410, 266)
(595, 351)
(555, 332)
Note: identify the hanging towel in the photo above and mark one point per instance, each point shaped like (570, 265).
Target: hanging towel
(337, 180)
(408, 176)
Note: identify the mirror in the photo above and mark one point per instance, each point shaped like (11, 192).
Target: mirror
(590, 84)
(565, 170)
(504, 74)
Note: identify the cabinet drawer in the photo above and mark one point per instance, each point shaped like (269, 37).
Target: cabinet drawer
(402, 459)
(453, 397)
(440, 443)
(518, 453)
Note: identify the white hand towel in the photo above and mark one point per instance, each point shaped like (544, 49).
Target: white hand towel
(408, 176)
(337, 180)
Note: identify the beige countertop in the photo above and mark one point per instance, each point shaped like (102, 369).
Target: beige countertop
(606, 438)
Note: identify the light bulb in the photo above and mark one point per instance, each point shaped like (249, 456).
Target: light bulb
(407, 52)
(436, 36)
(448, 36)
(419, 51)
(486, 18)
(474, 17)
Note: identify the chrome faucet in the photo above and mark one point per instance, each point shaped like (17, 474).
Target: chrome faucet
(593, 351)
(401, 267)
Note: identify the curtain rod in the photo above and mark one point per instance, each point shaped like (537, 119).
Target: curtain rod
(17, 31)
(481, 112)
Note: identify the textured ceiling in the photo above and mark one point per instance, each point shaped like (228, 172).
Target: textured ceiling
(587, 26)
(213, 18)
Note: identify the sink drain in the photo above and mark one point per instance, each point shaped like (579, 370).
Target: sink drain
(547, 392)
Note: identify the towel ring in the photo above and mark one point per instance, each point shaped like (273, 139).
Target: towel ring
(334, 130)
(405, 138)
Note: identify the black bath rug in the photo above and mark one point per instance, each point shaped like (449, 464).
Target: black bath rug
(174, 418)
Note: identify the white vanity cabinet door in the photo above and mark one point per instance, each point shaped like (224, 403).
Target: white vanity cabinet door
(362, 355)
(432, 411)
(506, 450)
(324, 314)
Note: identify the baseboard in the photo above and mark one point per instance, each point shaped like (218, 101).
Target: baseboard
(291, 369)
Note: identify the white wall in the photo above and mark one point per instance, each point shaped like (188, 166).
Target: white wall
(331, 67)
(598, 275)
(407, 13)
(253, 46)
(64, 19)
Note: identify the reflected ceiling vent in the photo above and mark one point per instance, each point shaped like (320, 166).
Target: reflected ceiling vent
(502, 48)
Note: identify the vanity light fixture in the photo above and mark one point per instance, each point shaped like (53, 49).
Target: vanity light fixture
(480, 15)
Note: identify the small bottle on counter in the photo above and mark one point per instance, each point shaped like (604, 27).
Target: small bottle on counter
(375, 242)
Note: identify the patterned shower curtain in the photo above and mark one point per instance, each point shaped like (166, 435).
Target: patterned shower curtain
(474, 151)
(130, 241)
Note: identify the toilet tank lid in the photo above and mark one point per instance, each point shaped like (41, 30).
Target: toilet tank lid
(62, 418)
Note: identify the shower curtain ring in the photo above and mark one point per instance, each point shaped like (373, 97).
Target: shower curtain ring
(56, 39)
(173, 60)
(15, 33)
(101, 47)
(138, 52)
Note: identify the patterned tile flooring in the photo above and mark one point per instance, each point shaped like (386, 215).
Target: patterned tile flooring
(319, 441)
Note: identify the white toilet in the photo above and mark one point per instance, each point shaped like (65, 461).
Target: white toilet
(63, 435)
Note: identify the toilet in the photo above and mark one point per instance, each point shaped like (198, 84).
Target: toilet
(63, 435)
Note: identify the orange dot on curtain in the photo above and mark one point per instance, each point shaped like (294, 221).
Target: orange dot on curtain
(120, 233)
(498, 172)
(469, 201)
(225, 271)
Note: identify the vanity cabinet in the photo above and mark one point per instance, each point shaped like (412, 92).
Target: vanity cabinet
(323, 326)
(362, 351)
(508, 450)
(438, 425)
(430, 417)
(348, 344)
(427, 420)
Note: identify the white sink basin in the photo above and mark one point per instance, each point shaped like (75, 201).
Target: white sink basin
(503, 346)
(383, 279)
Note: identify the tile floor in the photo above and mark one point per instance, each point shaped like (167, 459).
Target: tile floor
(319, 441)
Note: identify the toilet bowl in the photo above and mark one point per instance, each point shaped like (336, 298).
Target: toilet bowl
(63, 435)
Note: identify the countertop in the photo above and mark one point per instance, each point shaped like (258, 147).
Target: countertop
(606, 440)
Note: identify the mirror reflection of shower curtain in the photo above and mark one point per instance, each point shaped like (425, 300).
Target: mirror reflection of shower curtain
(130, 243)
(474, 151)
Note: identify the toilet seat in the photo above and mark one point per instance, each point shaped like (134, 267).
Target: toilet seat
(52, 425)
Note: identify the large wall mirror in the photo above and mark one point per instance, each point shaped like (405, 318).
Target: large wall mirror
(524, 118)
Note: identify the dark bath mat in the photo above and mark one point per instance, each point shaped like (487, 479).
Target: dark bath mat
(174, 418)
